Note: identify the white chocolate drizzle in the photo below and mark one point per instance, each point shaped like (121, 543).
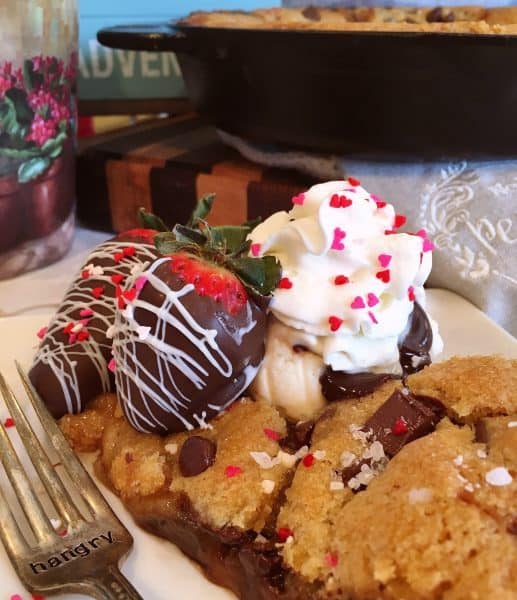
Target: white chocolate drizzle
(63, 357)
(155, 385)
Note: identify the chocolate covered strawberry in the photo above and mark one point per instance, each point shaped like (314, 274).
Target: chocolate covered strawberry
(189, 337)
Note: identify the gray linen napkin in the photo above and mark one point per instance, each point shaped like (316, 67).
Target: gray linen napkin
(469, 210)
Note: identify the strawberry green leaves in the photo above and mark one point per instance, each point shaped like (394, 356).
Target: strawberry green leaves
(224, 245)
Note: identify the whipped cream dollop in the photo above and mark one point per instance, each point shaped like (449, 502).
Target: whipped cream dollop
(350, 277)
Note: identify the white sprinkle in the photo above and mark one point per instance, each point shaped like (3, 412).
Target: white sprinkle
(319, 454)
(481, 453)
(268, 485)
(97, 271)
(420, 495)
(289, 540)
(336, 485)
(498, 477)
(375, 452)
(171, 448)
(56, 523)
(512, 424)
(353, 483)
(347, 458)
(143, 332)
(263, 460)
(77, 327)
(458, 461)
(469, 487)
(110, 332)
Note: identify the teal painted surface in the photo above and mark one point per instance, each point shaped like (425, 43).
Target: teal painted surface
(110, 74)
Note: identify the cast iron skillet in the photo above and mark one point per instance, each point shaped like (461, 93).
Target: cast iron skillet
(371, 94)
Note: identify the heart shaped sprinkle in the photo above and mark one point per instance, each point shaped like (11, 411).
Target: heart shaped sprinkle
(86, 312)
(41, 333)
(353, 181)
(117, 278)
(411, 293)
(285, 283)
(399, 221)
(421, 233)
(97, 292)
(298, 199)
(332, 559)
(341, 280)
(372, 299)
(337, 244)
(308, 460)
(428, 246)
(384, 260)
(140, 282)
(232, 471)
(334, 201)
(335, 323)
(358, 302)
(255, 250)
(384, 276)
(399, 427)
(85, 274)
(118, 256)
(130, 295)
(345, 202)
(271, 434)
(111, 365)
(129, 251)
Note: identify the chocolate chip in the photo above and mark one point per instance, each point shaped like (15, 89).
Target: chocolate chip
(419, 419)
(312, 13)
(196, 455)
(297, 436)
(439, 15)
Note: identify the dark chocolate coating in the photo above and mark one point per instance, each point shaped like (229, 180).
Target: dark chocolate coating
(155, 390)
(417, 342)
(68, 374)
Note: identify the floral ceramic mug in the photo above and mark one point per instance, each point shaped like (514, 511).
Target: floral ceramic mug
(38, 60)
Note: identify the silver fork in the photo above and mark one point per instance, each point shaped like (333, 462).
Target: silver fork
(85, 559)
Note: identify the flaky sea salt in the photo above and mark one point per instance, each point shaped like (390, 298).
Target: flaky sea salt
(498, 477)
(268, 485)
(319, 454)
(263, 460)
(512, 424)
(336, 485)
(171, 448)
(481, 453)
(375, 451)
(458, 461)
(420, 495)
(347, 458)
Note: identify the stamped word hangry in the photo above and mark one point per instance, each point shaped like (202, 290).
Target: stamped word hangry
(81, 550)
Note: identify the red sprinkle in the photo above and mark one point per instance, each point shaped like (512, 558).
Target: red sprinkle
(112, 365)
(353, 181)
(389, 232)
(272, 434)
(41, 333)
(400, 427)
(117, 278)
(86, 312)
(380, 203)
(118, 256)
(68, 328)
(332, 559)
(308, 460)
(37, 597)
(255, 249)
(341, 280)
(399, 221)
(232, 471)
(83, 335)
(9, 422)
(121, 303)
(85, 274)
(334, 201)
(283, 533)
(129, 251)
(335, 323)
(383, 275)
(357, 303)
(285, 283)
(373, 319)
(345, 202)
(130, 295)
(428, 246)
(299, 199)
(411, 293)
(97, 292)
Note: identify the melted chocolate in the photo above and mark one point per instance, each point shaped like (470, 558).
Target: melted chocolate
(194, 359)
(414, 355)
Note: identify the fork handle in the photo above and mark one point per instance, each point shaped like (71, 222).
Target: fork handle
(112, 585)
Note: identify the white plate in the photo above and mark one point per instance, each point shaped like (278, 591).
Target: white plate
(157, 568)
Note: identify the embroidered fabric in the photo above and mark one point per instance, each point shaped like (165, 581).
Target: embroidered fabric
(468, 208)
